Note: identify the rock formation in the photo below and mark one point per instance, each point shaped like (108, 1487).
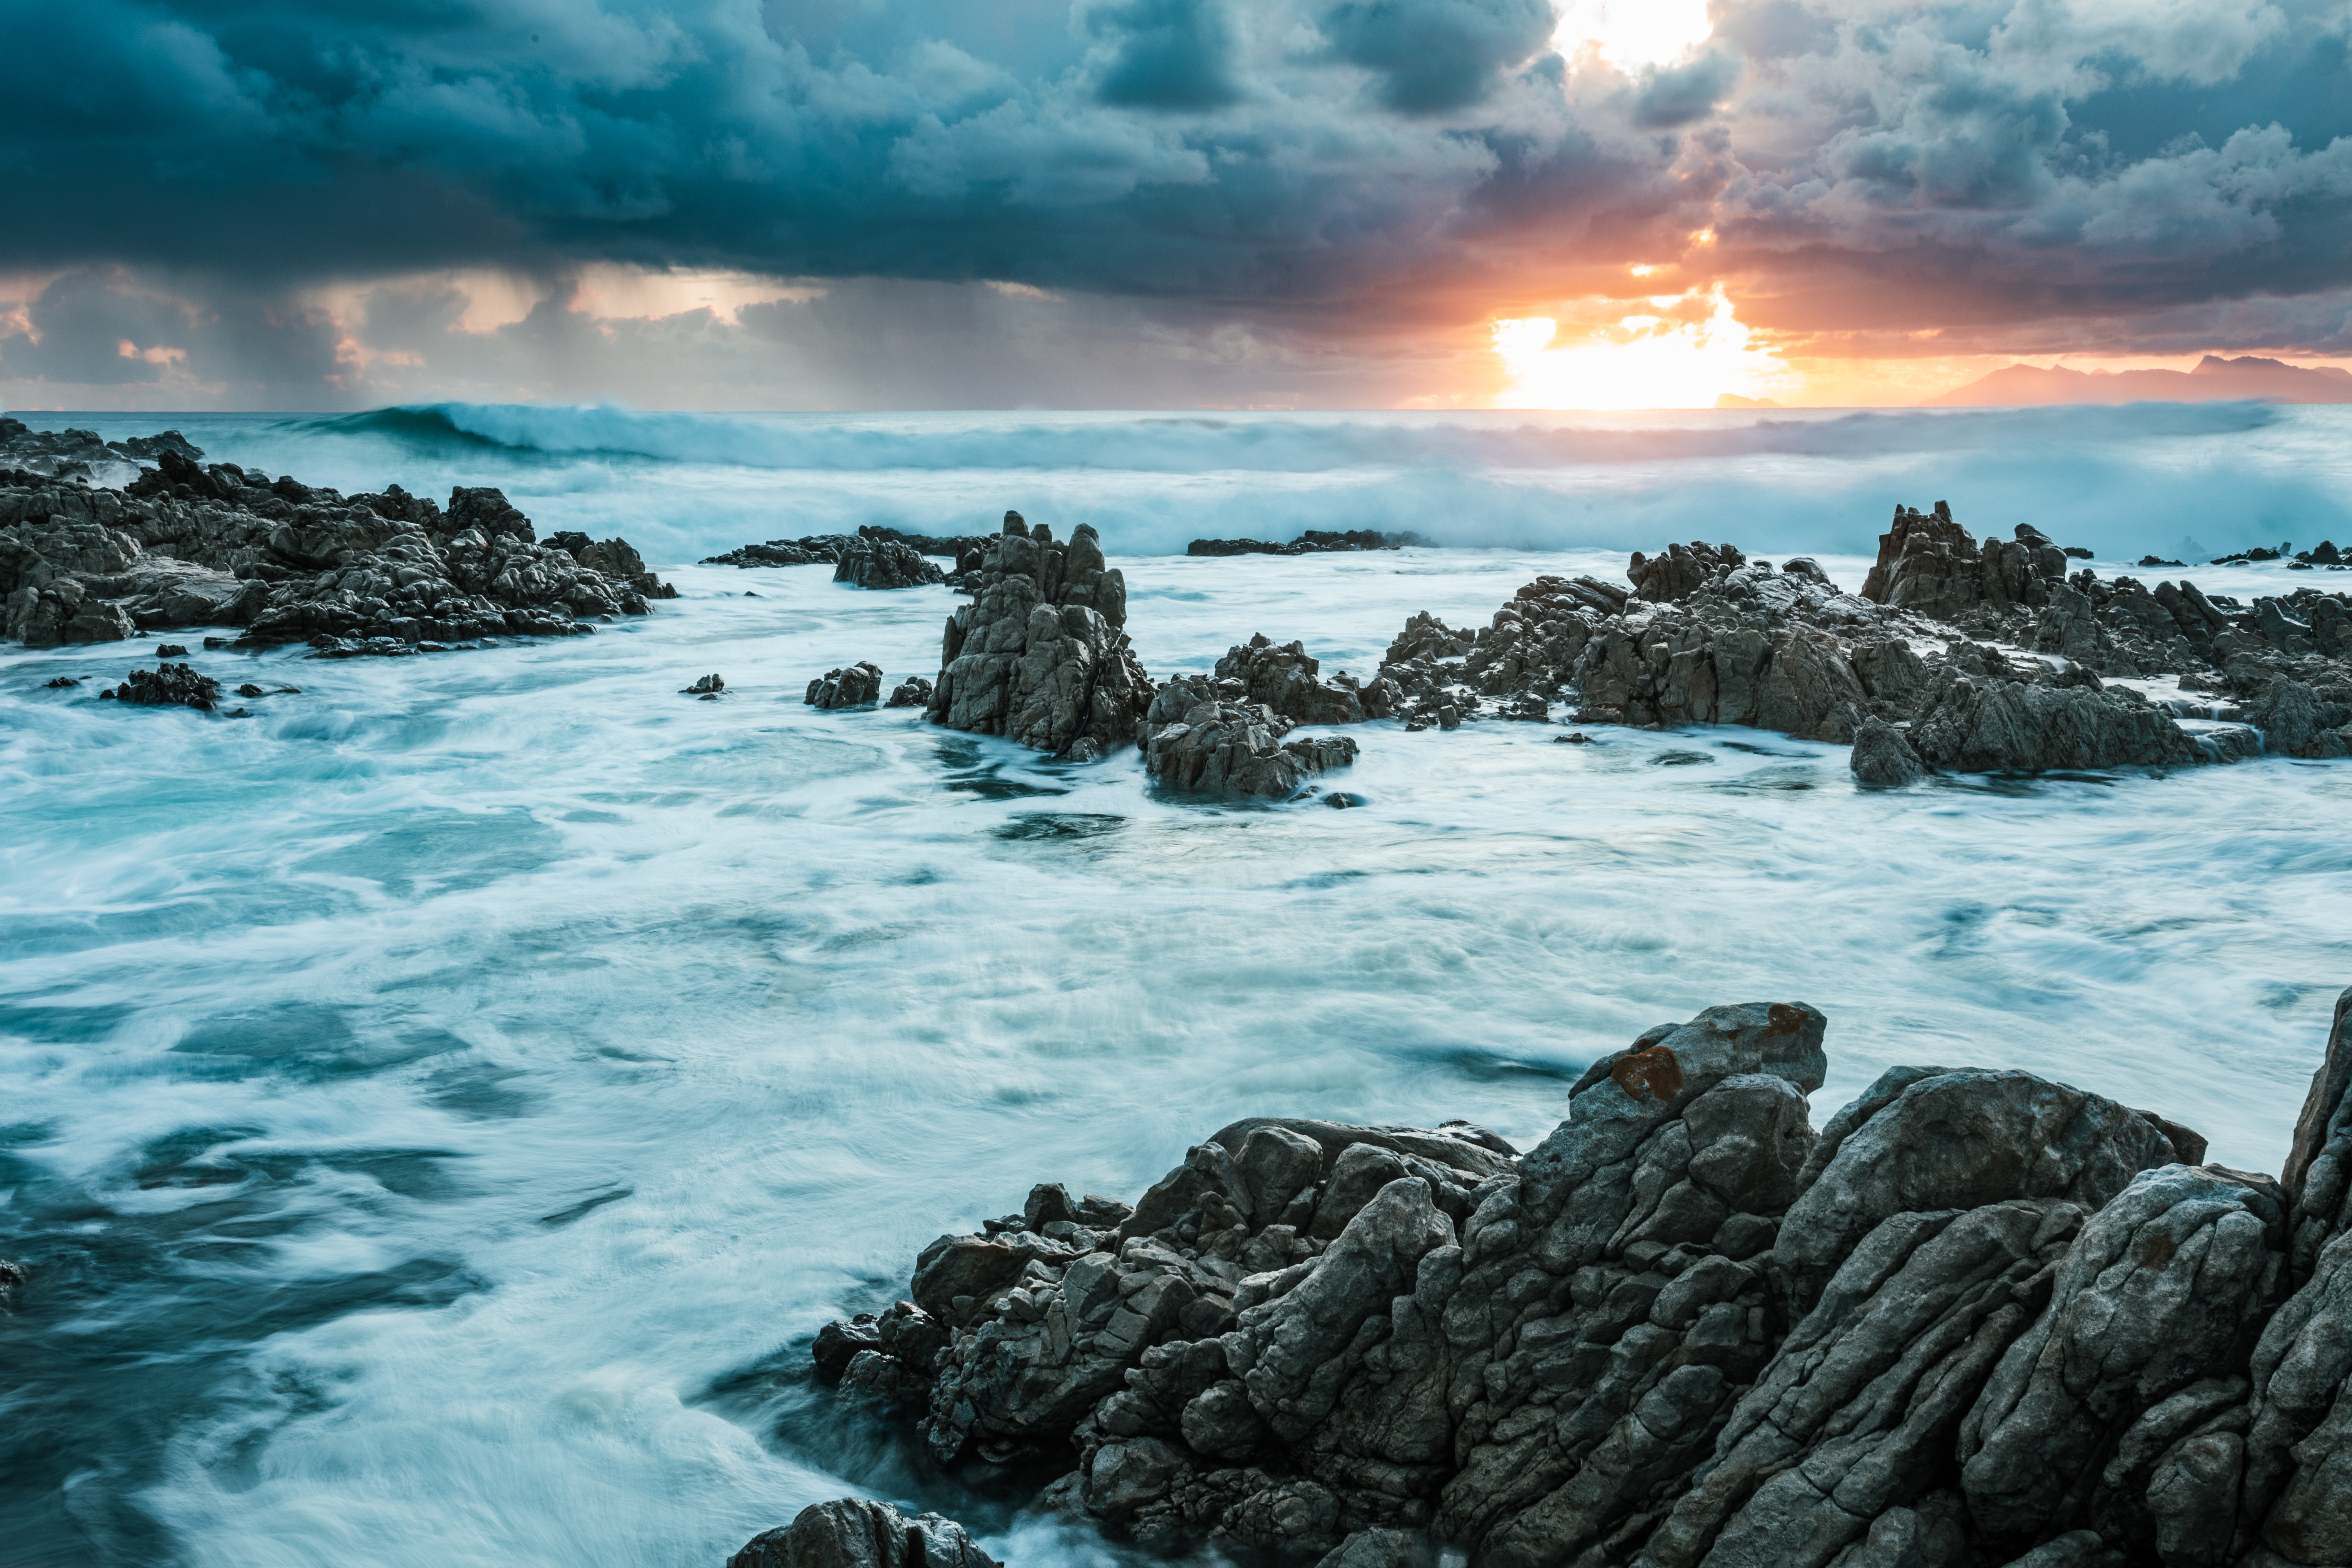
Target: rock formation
(166, 686)
(182, 545)
(1979, 1319)
(855, 1532)
(1314, 542)
(855, 685)
(1040, 655)
(1914, 669)
(1287, 679)
(1200, 736)
(884, 563)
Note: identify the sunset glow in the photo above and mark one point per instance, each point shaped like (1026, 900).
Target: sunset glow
(1631, 34)
(1642, 361)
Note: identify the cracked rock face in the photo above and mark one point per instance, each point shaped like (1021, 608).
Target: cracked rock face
(1286, 679)
(1040, 656)
(1196, 737)
(1979, 1318)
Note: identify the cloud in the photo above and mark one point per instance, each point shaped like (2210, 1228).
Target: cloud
(298, 199)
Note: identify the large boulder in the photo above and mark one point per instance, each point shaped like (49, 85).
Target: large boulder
(1040, 656)
(1287, 679)
(1927, 565)
(1975, 724)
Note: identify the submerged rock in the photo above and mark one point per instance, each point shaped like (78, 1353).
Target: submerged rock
(1040, 656)
(1979, 1317)
(1882, 757)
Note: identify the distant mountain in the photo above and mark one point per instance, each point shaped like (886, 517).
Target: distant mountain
(2214, 381)
(1733, 400)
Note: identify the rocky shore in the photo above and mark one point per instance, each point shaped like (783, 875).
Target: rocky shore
(167, 542)
(1314, 542)
(1979, 1317)
(1955, 654)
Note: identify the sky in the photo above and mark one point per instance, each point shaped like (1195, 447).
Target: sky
(992, 203)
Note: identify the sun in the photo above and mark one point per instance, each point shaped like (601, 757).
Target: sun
(1631, 34)
(1642, 361)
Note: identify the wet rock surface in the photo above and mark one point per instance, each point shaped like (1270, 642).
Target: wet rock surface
(1201, 735)
(167, 686)
(852, 686)
(1958, 654)
(1041, 655)
(885, 564)
(1979, 1318)
(1314, 542)
(182, 543)
(858, 1532)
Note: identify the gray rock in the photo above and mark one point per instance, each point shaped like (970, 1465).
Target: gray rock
(1288, 680)
(912, 692)
(1882, 758)
(1973, 725)
(852, 686)
(2318, 1171)
(1925, 1139)
(884, 563)
(1196, 741)
(857, 1532)
(1040, 656)
(2166, 1291)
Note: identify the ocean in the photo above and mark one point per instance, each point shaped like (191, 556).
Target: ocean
(435, 1113)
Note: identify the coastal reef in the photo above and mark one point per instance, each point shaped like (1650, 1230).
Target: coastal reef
(179, 543)
(1314, 542)
(1956, 654)
(1979, 1317)
(873, 557)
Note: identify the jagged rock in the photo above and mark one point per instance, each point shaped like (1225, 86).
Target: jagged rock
(167, 686)
(1194, 739)
(1288, 680)
(852, 687)
(2296, 721)
(708, 686)
(884, 563)
(183, 545)
(2124, 1396)
(1981, 1317)
(2318, 1171)
(1882, 757)
(1973, 725)
(912, 692)
(858, 1532)
(1683, 570)
(818, 550)
(1039, 656)
(1928, 564)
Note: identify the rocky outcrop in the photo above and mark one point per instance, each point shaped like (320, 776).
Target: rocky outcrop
(884, 563)
(1928, 564)
(912, 692)
(167, 686)
(185, 544)
(1041, 655)
(1708, 636)
(855, 685)
(1314, 542)
(1197, 736)
(816, 550)
(1979, 1317)
(1288, 679)
(858, 1532)
(1882, 757)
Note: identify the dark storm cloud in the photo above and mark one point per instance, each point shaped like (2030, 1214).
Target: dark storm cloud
(1294, 172)
(1437, 54)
